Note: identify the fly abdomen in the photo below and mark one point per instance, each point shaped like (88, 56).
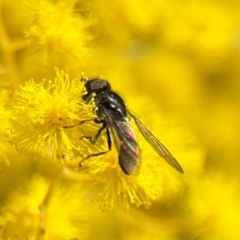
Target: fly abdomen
(128, 156)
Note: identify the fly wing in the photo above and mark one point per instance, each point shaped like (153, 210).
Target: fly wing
(156, 144)
(128, 149)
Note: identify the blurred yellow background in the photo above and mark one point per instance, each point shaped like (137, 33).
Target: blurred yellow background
(177, 65)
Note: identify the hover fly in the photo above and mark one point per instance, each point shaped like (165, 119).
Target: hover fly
(114, 117)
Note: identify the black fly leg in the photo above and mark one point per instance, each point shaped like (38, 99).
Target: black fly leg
(109, 140)
(94, 140)
(81, 122)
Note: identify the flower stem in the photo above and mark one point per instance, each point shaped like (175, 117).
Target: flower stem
(44, 205)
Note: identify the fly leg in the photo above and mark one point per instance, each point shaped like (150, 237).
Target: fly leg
(93, 140)
(81, 122)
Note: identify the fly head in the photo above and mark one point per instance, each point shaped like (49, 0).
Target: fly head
(95, 86)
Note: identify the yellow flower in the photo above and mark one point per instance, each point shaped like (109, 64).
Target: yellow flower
(60, 28)
(41, 113)
(65, 217)
(118, 190)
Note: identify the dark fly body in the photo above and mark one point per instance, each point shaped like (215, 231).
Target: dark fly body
(114, 118)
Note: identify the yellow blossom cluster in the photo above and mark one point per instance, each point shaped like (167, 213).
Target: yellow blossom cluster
(176, 66)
